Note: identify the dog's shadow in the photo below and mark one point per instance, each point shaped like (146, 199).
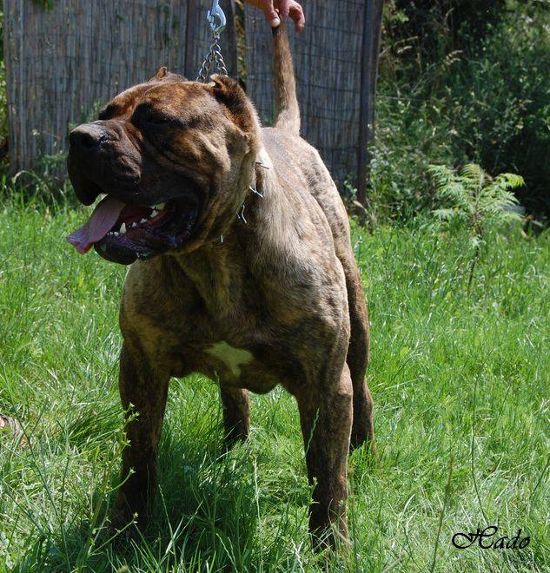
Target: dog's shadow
(205, 510)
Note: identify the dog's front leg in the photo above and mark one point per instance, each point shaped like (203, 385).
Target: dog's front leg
(143, 391)
(326, 418)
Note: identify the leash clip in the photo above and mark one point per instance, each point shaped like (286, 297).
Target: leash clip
(216, 18)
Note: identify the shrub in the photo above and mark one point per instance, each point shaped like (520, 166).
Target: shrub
(411, 133)
(461, 80)
(501, 110)
(475, 201)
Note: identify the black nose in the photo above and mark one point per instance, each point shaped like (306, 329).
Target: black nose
(88, 136)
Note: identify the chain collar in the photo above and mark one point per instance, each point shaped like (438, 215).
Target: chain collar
(251, 191)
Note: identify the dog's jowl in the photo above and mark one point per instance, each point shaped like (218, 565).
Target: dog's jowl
(241, 269)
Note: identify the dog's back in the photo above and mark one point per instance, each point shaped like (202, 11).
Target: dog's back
(287, 148)
(285, 136)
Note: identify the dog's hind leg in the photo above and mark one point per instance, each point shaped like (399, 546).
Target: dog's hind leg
(357, 359)
(236, 414)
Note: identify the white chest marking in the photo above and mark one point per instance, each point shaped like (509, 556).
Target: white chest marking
(232, 357)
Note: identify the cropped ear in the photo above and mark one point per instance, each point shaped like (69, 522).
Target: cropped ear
(163, 75)
(229, 93)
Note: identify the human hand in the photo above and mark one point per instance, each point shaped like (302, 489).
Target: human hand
(277, 10)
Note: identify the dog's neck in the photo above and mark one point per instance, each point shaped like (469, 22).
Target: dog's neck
(221, 267)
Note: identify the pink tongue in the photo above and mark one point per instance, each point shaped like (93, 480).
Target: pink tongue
(103, 218)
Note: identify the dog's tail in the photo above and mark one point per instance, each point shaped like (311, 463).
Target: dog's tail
(288, 111)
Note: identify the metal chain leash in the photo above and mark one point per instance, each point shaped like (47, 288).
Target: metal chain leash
(214, 59)
(214, 63)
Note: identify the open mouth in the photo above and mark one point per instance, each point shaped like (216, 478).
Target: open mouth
(122, 232)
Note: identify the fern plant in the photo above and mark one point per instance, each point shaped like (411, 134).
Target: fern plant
(476, 201)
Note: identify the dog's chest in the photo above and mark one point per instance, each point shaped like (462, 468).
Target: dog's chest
(233, 359)
(238, 363)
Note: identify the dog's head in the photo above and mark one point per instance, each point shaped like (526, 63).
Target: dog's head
(174, 159)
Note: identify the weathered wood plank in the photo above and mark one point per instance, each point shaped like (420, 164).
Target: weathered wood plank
(61, 62)
(369, 76)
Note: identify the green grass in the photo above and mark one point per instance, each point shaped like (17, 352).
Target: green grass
(462, 402)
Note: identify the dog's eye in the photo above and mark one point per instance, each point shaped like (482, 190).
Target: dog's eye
(108, 112)
(145, 114)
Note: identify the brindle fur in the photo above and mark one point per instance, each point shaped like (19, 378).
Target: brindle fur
(283, 287)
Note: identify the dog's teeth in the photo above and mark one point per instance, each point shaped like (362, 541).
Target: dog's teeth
(154, 213)
(123, 228)
(143, 221)
(115, 234)
(133, 225)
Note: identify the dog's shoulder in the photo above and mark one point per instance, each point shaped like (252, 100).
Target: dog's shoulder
(301, 164)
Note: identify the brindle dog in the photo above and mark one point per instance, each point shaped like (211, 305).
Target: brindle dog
(251, 298)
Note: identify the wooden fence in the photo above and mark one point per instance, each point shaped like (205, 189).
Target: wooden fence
(64, 61)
